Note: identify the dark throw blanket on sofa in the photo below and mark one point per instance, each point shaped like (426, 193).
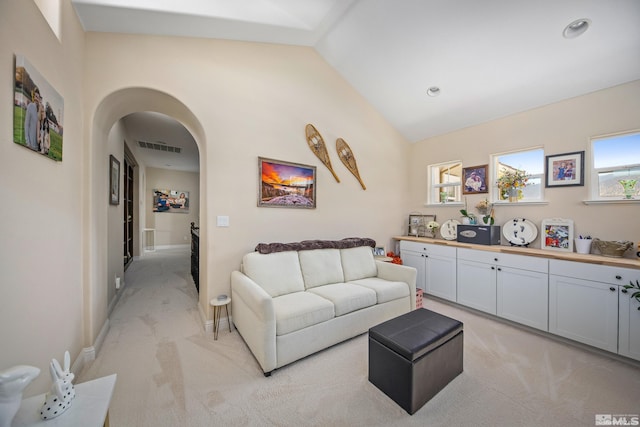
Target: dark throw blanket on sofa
(349, 242)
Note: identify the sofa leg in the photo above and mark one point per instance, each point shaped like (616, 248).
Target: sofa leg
(268, 374)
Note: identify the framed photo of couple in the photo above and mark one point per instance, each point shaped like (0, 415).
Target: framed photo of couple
(474, 180)
(563, 170)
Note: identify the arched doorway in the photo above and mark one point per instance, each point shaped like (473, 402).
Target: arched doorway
(102, 251)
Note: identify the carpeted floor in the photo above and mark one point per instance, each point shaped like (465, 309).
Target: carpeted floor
(171, 373)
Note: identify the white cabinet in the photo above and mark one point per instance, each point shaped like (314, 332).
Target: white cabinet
(588, 304)
(629, 324)
(476, 281)
(415, 260)
(436, 266)
(584, 311)
(580, 301)
(514, 287)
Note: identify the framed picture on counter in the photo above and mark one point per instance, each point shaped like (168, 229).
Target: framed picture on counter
(557, 234)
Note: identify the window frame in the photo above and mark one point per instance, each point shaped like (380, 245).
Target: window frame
(494, 168)
(594, 173)
(433, 190)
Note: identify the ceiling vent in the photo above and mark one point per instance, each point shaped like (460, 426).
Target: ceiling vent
(159, 146)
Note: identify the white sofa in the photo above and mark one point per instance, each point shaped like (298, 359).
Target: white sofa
(290, 304)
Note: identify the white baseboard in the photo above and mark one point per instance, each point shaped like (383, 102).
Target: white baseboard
(159, 247)
(208, 324)
(88, 354)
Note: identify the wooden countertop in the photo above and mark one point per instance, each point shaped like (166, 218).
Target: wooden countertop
(544, 253)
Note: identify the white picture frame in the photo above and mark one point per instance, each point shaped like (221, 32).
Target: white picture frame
(557, 234)
(379, 251)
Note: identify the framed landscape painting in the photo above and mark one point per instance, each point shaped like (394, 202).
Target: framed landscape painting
(285, 184)
(38, 111)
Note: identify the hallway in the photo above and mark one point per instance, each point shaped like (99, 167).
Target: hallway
(157, 346)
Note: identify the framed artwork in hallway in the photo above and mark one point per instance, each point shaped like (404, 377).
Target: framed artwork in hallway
(114, 181)
(171, 201)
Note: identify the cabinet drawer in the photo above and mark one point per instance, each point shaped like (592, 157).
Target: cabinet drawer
(524, 262)
(441, 250)
(485, 257)
(412, 246)
(594, 272)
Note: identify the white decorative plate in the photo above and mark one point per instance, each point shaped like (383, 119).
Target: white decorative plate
(519, 231)
(449, 229)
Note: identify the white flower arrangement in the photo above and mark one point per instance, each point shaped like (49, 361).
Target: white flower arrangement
(432, 225)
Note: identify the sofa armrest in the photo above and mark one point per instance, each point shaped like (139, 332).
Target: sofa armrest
(253, 295)
(254, 317)
(399, 273)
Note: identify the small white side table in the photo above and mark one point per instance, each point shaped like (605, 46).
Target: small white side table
(217, 305)
(90, 407)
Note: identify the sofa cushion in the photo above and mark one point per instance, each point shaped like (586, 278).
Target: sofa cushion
(321, 267)
(358, 263)
(278, 273)
(385, 290)
(346, 297)
(299, 310)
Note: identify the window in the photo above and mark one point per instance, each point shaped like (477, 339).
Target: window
(526, 162)
(614, 158)
(444, 182)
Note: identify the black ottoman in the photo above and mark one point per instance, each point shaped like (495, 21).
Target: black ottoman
(414, 356)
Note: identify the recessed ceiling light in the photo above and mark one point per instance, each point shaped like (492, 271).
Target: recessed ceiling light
(433, 91)
(576, 28)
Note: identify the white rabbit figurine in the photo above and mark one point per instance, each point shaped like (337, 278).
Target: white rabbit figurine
(61, 395)
(12, 383)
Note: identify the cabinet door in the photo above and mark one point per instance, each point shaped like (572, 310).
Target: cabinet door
(418, 261)
(584, 311)
(477, 285)
(523, 296)
(629, 332)
(441, 276)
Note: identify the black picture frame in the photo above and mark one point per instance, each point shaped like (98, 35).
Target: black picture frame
(564, 170)
(114, 181)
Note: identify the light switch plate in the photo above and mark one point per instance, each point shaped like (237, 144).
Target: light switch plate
(222, 221)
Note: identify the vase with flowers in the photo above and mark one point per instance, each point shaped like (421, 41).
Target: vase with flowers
(629, 186)
(432, 226)
(511, 182)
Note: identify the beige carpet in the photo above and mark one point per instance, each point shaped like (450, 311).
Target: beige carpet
(170, 373)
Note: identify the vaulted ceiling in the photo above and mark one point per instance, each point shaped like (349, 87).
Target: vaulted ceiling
(487, 58)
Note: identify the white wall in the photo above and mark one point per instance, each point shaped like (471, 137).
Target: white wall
(255, 100)
(115, 214)
(560, 128)
(172, 228)
(42, 299)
